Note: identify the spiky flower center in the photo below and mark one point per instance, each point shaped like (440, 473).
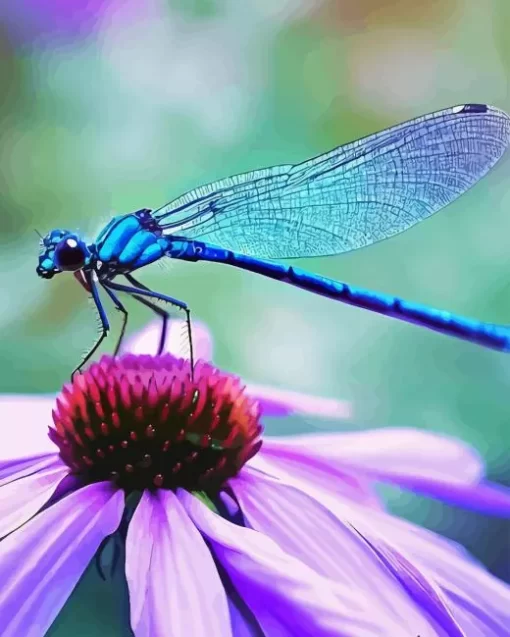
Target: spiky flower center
(144, 422)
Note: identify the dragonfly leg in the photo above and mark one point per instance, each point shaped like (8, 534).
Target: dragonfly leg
(138, 291)
(124, 312)
(105, 326)
(155, 308)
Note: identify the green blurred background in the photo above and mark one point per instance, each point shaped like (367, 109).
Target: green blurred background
(108, 107)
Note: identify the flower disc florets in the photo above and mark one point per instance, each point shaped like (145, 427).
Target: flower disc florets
(143, 422)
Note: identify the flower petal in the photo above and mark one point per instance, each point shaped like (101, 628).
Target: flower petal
(15, 469)
(420, 588)
(281, 402)
(327, 476)
(167, 565)
(437, 466)
(42, 562)
(21, 499)
(334, 546)
(443, 468)
(486, 497)
(147, 340)
(477, 598)
(242, 620)
(25, 421)
(394, 454)
(286, 596)
(472, 594)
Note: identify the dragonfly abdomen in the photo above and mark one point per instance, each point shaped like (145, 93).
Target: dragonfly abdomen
(486, 334)
(493, 336)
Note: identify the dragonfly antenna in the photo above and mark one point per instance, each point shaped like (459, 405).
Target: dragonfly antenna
(38, 234)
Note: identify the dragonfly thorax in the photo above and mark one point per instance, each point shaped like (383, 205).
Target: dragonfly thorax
(62, 251)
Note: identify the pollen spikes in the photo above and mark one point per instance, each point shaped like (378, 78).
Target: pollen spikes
(143, 422)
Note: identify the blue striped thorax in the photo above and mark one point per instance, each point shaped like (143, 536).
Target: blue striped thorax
(130, 242)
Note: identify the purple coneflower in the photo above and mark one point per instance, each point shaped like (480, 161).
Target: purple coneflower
(230, 537)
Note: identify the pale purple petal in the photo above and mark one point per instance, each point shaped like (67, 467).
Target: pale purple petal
(334, 546)
(479, 623)
(422, 589)
(468, 588)
(173, 582)
(146, 341)
(286, 596)
(242, 619)
(18, 468)
(282, 402)
(485, 497)
(390, 454)
(37, 23)
(22, 498)
(437, 466)
(477, 598)
(230, 506)
(327, 476)
(24, 422)
(43, 561)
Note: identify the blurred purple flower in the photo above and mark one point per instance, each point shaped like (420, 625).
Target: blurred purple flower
(273, 401)
(48, 21)
(228, 539)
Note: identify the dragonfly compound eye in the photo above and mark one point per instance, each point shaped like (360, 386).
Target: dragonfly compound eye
(70, 254)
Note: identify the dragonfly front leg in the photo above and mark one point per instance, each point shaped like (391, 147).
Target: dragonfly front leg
(138, 291)
(88, 283)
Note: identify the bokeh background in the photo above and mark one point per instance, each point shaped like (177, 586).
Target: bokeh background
(111, 106)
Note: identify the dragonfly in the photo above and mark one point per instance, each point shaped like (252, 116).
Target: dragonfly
(353, 196)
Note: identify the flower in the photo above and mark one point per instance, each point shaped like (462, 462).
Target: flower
(230, 538)
(45, 21)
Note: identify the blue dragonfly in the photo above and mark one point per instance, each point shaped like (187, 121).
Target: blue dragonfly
(348, 198)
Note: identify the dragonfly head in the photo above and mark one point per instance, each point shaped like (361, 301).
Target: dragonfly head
(61, 251)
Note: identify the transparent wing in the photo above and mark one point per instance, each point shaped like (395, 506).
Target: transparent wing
(353, 196)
